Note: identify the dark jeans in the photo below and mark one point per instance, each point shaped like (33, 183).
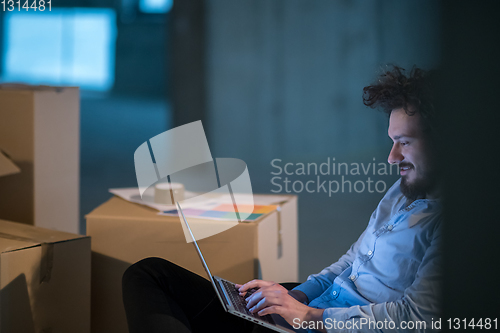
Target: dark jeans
(160, 296)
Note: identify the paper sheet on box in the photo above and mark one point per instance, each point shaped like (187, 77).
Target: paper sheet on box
(205, 207)
(132, 194)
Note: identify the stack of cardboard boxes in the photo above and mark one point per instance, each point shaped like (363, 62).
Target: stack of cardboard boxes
(44, 264)
(50, 280)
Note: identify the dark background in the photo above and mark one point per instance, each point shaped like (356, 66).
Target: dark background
(283, 80)
(469, 87)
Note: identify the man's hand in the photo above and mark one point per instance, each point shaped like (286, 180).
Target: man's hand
(271, 298)
(252, 286)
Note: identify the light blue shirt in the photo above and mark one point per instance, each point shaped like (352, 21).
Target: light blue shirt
(392, 272)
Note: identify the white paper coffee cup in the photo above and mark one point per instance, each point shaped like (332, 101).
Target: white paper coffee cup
(163, 193)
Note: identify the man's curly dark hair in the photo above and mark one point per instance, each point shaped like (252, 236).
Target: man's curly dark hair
(413, 93)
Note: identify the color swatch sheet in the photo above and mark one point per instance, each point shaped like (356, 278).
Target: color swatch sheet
(223, 211)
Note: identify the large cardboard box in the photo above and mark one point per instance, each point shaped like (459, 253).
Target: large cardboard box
(124, 233)
(44, 280)
(39, 131)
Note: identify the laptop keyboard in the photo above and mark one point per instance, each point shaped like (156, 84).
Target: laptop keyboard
(239, 302)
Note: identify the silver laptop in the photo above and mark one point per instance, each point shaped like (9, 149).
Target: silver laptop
(231, 300)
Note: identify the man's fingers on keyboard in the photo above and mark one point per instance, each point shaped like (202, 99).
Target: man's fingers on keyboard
(248, 292)
(252, 284)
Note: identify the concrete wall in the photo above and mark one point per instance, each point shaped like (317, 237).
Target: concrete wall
(285, 79)
(141, 57)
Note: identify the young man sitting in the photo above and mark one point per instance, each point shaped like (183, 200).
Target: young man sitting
(389, 278)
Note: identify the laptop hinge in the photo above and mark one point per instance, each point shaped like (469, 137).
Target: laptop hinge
(223, 292)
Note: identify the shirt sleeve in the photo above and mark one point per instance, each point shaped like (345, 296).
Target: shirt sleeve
(316, 284)
(415, 311)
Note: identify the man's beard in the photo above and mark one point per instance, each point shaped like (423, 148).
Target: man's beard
(421, 185)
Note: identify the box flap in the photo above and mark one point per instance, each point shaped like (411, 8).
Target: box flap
(15, 236)
(8, 244)
(7, 167)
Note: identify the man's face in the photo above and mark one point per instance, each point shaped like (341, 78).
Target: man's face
(411, 151)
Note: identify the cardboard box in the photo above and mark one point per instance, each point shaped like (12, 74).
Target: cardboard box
(39, 131)
(44, 280)
(124, 233)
